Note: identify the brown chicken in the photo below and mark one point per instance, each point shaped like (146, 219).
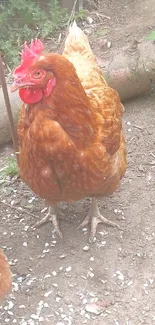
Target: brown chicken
(5, 276)
(70, 127)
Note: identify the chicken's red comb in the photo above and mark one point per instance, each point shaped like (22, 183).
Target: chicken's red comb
(29, 54)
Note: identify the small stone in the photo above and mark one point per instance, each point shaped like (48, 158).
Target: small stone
(59, 294)
(43, 210)
(62, 256)
(54, 273)
(10, 313)
(10, 305)
(88, 31)
(86, 248)
(103, 281)
(47, 293)
(141, 168)
(47, 276)
(41, 319)
(15, 286)
(134, 299)
(147, 308)
(84, 301)
(57, 299)
(109, 44)
(22, 306)
(87, 316)
(89, 20)
(97, 307)
(45, 251)
(94, 308)
(68, 275)
(83, 277)
(84, 229)
(91, 275)
(33, 316)
(54, 285)
(120, 275)
(63, 316)
(31, 200)
(68, 269)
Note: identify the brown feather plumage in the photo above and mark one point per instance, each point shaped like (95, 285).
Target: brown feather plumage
(5, 276)
(71, 143)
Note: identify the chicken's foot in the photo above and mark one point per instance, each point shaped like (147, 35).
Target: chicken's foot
(95, 217)
(52, 217)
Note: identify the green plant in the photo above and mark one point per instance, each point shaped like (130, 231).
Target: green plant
(22, 20)
(103, 31)
(151, 36)
(11, 169)
(80, 15)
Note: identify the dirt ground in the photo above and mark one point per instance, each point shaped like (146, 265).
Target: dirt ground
(54, 280)
(120, 22)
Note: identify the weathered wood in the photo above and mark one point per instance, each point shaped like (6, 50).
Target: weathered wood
(16, 103)
(8, 107)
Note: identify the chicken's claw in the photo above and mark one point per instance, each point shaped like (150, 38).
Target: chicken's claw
(95, 217)
(52, 217)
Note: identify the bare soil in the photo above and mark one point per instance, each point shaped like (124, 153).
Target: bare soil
(120, 22)
(53, 279)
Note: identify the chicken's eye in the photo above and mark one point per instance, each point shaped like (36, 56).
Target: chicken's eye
(38, 74)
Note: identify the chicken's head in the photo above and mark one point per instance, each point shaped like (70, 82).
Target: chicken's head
(33, 77)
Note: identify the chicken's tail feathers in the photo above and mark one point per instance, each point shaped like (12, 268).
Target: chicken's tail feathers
(76, 40)
(76, 31)
(73, 27)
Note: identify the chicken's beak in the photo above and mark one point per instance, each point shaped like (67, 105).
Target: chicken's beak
(21, 84)
(14, 86)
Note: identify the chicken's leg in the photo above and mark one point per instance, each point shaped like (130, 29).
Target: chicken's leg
(94, 217)
(50, 216)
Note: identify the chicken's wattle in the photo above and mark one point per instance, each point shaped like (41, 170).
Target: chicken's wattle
(34, 95)
(30, 96)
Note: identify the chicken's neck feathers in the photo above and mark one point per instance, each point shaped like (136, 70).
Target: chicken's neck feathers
(71, 108)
